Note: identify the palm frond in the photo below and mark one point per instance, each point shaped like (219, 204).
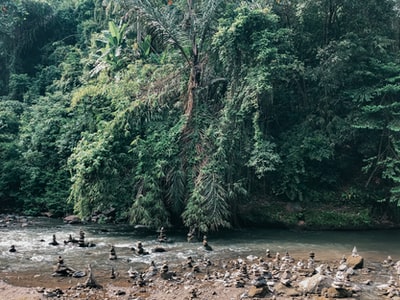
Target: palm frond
(176, 181)
(163, 22)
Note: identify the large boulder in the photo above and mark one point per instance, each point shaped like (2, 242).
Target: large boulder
(72, 219)
(335, 293)
(288, 291)
(258, 292)
(315, 284)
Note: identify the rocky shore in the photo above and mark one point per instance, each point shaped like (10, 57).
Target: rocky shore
(274, 276)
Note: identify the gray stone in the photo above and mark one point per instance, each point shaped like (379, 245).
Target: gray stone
(315, 284)
(259, 282)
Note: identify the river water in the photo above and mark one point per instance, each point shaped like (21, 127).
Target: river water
(35, 253)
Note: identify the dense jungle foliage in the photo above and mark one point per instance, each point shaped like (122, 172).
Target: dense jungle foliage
(204, 114)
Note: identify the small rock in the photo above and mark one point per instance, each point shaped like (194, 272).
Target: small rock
(120, 293)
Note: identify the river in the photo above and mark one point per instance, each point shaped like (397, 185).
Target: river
(35, 253)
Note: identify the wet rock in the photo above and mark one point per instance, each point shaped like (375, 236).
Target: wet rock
(158, 249)
(54, 241)
(112, 255)
(23, 220)
(162, 237)
(140, 250)
(71, 240)
(113, 275)
(47, 214)
(259, 282)
(206, 246)
(61, 270)
(72, 219)
(79, 274)
(120, 293)
(165, 273)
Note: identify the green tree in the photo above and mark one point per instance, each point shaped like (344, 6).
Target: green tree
(10, 154)
(122, 160)
(46, 134)
(45, 179)
(261, 71)
(320, 145)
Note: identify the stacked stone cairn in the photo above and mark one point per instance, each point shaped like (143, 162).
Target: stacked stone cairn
(391, 288)
(113, 254)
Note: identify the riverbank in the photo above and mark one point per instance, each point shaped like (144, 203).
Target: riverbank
(276, 277)
(318, 216)
(283, 215)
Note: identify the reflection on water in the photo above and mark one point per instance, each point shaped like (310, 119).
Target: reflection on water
(34, 251)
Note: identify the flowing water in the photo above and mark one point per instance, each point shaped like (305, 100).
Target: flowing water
(35, 253)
